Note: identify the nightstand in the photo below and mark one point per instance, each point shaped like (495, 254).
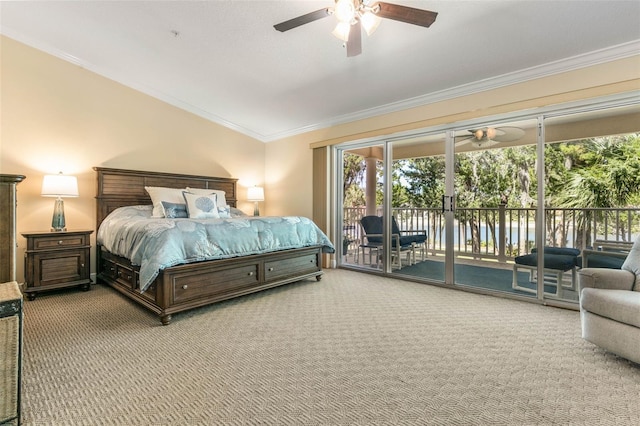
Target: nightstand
(56, 260)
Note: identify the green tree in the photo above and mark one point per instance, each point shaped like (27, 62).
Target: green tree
(353, 180)
(605, 173)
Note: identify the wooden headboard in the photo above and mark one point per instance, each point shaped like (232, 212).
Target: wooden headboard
(119, 187)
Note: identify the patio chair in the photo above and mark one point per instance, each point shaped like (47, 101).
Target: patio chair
(372, 231)
(605, 254)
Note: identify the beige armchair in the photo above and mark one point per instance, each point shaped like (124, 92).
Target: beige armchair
(610, 306)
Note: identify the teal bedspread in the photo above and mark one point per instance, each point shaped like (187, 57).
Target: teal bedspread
(155, 244)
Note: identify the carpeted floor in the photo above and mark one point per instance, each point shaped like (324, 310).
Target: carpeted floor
(353, 349)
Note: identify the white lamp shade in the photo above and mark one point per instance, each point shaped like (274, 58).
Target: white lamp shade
(255, 193)
(370, 22)
(59, 186)
(341, 32)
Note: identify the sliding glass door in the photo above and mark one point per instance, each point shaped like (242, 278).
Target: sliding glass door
(591, 193)
(361, 197)
(495, 206)
(418, 243)
(513, 206)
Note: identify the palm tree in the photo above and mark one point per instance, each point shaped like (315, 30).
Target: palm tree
(605, 173)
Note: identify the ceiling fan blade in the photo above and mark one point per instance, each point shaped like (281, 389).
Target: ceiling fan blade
(508, 134)
(354, 44)
(484, 144)
(301, 20)
(464, 141)
(410, 15)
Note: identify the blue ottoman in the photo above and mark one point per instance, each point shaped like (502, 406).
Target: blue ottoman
(565, 251)
(555, 265)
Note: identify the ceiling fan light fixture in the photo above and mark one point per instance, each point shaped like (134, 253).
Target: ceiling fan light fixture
(491, 133)
(359, 14)
(345, 11)
(341, 32)
(370, 22)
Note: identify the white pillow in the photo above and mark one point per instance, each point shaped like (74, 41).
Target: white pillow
(222, 201)
(159, 194)
(201, 206)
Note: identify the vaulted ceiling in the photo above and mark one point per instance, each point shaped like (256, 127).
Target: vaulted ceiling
(224, 61)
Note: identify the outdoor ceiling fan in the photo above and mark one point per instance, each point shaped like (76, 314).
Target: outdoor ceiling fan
(354, 15)
(489, 136)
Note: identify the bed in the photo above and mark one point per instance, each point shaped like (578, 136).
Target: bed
(176, 287)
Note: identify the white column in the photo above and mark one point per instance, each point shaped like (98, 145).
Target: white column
(370, 190)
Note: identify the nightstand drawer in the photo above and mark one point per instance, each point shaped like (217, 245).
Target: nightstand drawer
(59, 241)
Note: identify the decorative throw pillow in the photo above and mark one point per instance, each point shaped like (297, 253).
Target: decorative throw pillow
(222, 200)
(225, 211)
(236, 212)
(201, 206)
(174, 211)
(159, 194)
(632, 263)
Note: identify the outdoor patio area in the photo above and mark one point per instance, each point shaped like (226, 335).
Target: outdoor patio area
(491, 276)
(485, 274)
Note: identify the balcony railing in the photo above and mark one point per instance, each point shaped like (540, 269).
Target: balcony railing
(503, 233)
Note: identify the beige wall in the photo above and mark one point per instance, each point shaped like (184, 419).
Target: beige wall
(288, 179)
(57, 116)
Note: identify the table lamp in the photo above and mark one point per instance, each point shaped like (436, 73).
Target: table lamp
(59, 186)
(256, 194)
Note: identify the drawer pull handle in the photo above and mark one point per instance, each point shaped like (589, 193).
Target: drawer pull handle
(270, 269)
(82, 265)
(250, 273)
(60, 242)
(112, 269)
(184, 287)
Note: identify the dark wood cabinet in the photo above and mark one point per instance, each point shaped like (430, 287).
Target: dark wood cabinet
(56, 260)
(8, 246)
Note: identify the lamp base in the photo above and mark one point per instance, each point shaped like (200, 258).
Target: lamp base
(256, 210)
(58, 222)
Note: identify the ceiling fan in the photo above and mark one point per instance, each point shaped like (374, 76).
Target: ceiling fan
(353, 15)
(489, 136)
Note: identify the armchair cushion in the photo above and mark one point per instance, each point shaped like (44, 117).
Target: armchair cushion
(618, 305)
(611, 279)
(632, 263)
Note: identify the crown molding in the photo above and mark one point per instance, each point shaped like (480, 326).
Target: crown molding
(585, 60)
